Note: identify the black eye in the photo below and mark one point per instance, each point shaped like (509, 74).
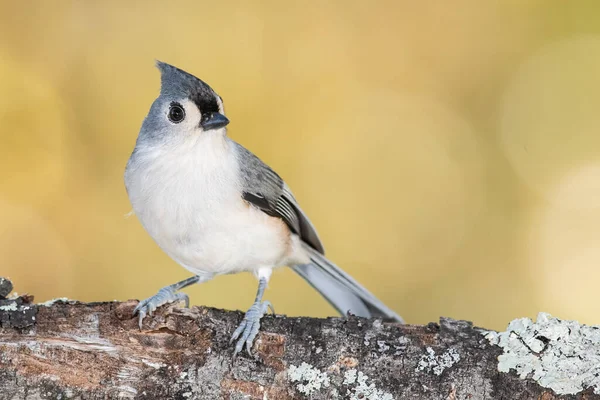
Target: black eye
(176, 113)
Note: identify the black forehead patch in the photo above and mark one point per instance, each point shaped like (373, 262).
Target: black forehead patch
(176, 82)
(206, 104)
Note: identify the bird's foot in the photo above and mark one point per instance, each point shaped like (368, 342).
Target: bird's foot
(164, 296)
(248, 329)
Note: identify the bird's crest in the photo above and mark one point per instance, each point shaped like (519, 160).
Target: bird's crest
(177, 82)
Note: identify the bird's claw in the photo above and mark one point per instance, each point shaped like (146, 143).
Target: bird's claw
(248, 329)
(164, 296)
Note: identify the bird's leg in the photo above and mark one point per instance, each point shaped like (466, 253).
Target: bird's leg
(248, 329)
(168, 294)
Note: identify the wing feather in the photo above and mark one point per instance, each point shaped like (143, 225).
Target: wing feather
(266, 190)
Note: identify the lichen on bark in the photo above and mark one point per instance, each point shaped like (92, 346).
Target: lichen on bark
(72, 350)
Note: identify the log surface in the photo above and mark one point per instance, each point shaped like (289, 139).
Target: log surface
(71, 350)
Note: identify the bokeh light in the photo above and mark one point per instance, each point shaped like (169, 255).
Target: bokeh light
(448, 156)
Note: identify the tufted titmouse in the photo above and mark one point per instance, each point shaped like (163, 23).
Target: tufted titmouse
(216, 208)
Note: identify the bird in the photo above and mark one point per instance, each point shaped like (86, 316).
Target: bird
(215, 208)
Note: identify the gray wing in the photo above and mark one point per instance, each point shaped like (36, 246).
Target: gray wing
(265, 189)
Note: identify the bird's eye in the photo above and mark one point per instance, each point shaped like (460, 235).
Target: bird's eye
(176, 113)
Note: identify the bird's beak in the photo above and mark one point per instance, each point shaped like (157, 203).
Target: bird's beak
(215, 121)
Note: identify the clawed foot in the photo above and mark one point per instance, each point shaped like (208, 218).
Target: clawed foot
(164, 296)
(248, 329)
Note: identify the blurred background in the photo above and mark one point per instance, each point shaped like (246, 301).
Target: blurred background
(449, 155)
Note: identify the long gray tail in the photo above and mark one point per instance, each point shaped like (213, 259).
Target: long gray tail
(340, 289)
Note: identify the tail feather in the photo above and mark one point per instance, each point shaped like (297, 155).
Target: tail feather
(342, 291)
(333, 291)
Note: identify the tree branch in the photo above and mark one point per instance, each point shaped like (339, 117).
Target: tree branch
(72, 350)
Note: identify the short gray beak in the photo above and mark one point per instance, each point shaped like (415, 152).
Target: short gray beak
(214, 121)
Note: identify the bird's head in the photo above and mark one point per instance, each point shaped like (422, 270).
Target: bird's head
(186, 106)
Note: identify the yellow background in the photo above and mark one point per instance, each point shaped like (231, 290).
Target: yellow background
(448, 152)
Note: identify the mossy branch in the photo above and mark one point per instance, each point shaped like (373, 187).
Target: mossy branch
(72, 350)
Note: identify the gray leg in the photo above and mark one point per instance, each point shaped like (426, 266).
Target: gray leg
(249, 327)
(168, 294)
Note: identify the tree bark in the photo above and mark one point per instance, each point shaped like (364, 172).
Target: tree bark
(73, 350)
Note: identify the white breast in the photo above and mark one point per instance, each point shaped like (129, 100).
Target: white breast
(188, 197)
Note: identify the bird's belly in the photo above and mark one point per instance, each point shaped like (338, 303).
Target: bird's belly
(210, 240)
(191, 204)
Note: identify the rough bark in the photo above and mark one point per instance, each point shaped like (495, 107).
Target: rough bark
(72, 350)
